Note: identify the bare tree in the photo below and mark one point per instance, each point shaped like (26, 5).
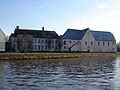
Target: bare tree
(49, 38)
(59, 44)
(118, 46)
(24, 42)
(6, 38)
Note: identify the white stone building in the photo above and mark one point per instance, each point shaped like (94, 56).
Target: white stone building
(2, 41)
(88, 41)
(42, 40)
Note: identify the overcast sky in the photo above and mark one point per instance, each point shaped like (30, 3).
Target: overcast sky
(59, 15)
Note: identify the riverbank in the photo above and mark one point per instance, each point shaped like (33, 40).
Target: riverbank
(31, 56)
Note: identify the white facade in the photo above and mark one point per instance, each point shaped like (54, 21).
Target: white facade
(67, 43)
(88, 44)
(38, 44)
(105, 46)
(2, 41)
(41, 44)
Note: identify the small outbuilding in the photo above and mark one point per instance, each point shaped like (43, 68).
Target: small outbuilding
(2, 41)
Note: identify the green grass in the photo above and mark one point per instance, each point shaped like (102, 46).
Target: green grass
(27, 56)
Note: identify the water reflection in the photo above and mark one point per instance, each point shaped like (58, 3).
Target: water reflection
(69, 74)
(117, 74)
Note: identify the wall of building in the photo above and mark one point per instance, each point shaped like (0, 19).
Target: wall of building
(38, 44)
(41, 44)
(2, 41)
(13, 41)
(67, 43)
(105, 46)
(77, 46)
(88, 42)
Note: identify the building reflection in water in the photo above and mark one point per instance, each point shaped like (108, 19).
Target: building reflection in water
(116, 79)
(81, 73)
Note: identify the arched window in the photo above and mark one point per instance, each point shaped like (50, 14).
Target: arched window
(64, 42)
(85, 42)
(91, 43)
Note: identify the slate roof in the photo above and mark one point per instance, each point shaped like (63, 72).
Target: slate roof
(79, 34)
(103, 36)
(74, 34)
(35, 33)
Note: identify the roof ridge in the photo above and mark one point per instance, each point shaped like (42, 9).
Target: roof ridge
(78, 29)
(100, 31)
(34, 30)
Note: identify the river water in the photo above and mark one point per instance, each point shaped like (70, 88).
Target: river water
(101, 73)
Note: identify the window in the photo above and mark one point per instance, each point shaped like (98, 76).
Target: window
(42, 41)
(46, 41)
(52, 41)
(55, 47)
(56, 41)
(70, 41)
(103, 43)
(98, 43)
(39, 47)
(112, 42)
(85, 42)
(91, 43)
(42, 47)
(35, 47)
(64, 47)
(46, 47)
(14, 46)
(108, 43)
(38, 40)
(52, 46)
(35, 40)
(64, 42)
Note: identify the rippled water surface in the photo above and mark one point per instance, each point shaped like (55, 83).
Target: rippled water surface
(63, 74)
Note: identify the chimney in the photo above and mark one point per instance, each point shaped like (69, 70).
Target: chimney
(42, 28)
(43, 33)
(17, 27)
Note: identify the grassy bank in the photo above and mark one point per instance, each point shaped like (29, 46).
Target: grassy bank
(29, 56)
